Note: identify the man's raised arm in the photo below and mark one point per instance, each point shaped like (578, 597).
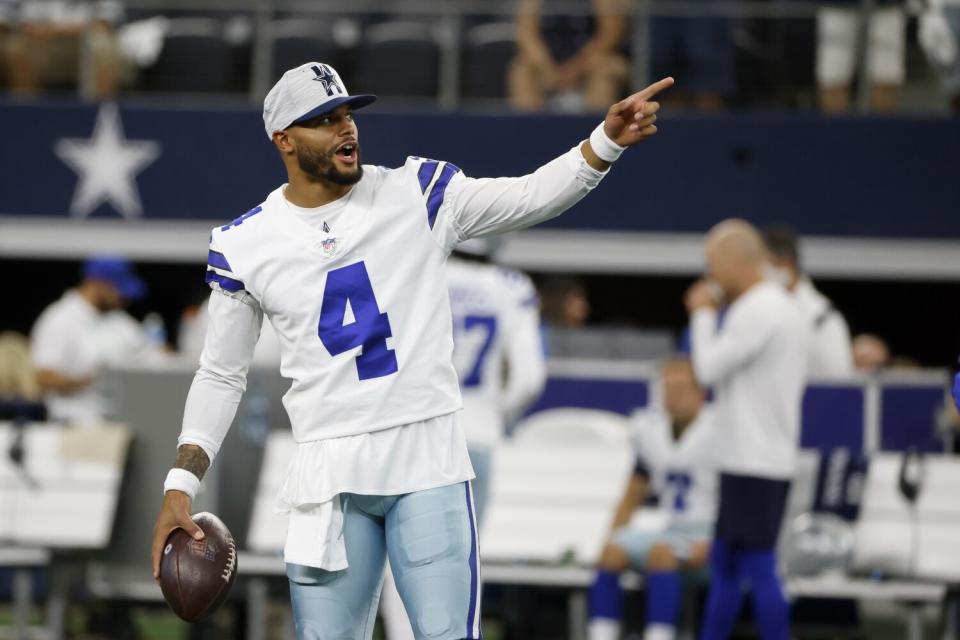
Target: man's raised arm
(486, 206)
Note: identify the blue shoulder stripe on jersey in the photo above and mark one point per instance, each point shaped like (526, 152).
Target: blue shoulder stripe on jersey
(239, 221)
(532, 301)
(227, 284)
(439, 188)
(218, 260)
(425, 174)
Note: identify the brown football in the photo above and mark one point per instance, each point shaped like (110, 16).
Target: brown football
(196, 575)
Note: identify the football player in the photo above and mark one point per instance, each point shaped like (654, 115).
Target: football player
(675, 460)
(346, 261)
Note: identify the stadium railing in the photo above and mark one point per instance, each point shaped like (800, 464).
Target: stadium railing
(449, 19)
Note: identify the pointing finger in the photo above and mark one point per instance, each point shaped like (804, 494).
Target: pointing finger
(654, 88)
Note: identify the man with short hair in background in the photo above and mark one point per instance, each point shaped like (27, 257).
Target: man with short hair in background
(754, 361)
(830, 352)
(675, 459)
(67, 344)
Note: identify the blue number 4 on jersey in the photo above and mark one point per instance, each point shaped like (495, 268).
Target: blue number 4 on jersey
(370, 328)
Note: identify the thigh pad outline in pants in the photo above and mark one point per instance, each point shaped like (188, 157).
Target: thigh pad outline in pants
(342, 605)
(432, 544)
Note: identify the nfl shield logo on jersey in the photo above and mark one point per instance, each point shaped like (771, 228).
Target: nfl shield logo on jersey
(329, 245)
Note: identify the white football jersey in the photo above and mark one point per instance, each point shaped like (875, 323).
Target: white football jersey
(360, 306)
(361, 312)
(682, 472)
(497, 349)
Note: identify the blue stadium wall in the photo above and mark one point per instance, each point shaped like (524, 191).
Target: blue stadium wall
(853, 177)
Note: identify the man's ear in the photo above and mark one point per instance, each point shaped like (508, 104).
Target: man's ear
(283, 142)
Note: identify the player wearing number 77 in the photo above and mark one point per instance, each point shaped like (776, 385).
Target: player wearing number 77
(675, 442)
(346, 262)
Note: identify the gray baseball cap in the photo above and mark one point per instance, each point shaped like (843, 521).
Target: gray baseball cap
(305, 92)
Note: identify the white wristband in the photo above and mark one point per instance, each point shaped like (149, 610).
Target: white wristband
(605, 148)
(182, 480)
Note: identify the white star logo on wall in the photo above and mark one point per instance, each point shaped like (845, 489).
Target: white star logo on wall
(107, 166)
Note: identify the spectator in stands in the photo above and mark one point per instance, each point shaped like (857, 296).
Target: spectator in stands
(831, 352)
(870, 353)
(572, 58)
(68, 344)
(564, 310)
(675, 452)
(699, 50)
(838, 25)
(65, 43)
(564, 302)
(754, 361)
(940, 38)
(7, 11)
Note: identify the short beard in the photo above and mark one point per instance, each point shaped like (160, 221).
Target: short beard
(320, 166)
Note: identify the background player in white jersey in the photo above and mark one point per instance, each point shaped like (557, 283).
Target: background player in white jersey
(675, 460)
(755, 361)
(347, 263)
(497, 350)
(831, 350)
(498, 355)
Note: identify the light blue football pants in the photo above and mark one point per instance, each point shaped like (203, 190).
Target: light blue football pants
(481, 459)
(431, 539)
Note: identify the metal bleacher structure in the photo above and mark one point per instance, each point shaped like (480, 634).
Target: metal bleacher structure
(435, 51)
(557, 480)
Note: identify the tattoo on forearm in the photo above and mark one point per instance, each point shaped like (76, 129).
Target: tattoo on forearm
(193, 459)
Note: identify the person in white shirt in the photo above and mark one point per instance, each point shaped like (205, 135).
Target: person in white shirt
(69, 342)
(497, 349)
(346, 262)
(498, 355)
(831, 352)
(675, 460)
(755, 360)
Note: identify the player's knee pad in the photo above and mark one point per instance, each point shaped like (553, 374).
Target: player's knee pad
(316, 630)
(431, 539)
(433, 622)
(318, 613)
(320, 618)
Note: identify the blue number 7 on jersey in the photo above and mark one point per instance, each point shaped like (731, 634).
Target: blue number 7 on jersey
(370, 328)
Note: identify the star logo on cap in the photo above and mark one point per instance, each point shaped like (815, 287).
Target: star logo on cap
(107, 165)
(326, 77)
